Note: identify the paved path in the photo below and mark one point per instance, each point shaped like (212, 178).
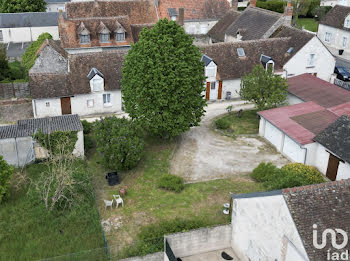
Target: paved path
(203, 154)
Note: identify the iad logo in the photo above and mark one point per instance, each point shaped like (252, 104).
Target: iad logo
(344, 255)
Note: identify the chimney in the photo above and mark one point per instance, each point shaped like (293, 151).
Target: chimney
(234, 5)
(181, 16)
(288, 13)
(253, 3)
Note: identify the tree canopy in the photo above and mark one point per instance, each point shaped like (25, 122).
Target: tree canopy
(264, 88)
(4, 66)
(163, 80)
(21, 6)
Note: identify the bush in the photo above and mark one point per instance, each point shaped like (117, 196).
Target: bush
(17, 71)
(52, 142)
(273, 5)
(310, 174)
(222, 124)
(88, 143)
(120, 141)
(6, 172)
(171, 182)
(264, 171)
(87, 126)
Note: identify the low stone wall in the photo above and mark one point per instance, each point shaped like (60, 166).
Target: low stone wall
(11, 111)
(200, 241)
(159, 256)
(14, 90)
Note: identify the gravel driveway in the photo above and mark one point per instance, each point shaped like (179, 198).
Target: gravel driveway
(203, 154)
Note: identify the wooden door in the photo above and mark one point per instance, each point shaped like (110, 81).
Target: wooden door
(207, 93)
(66, 106)
(220, 90)
(332, 169)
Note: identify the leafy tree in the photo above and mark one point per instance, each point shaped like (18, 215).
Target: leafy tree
(120, 142)
(20, 6)
(273, 5)
(264, 88)
(300, 7)
(6, 172)
(163, 80)
(4, 66)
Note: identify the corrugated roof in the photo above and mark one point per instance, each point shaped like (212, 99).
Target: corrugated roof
(8, 132)
(38, 19)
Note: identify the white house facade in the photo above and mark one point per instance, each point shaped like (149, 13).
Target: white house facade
(56, 5)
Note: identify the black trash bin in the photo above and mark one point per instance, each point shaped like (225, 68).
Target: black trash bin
(112, 178)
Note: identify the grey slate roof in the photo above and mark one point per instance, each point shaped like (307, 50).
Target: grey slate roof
(26, 128)
(253, 23)
(327, 206)
(217, 32)
(205, 59)
(336, 17)
(39, 19)
(93, 72)
(336, 138)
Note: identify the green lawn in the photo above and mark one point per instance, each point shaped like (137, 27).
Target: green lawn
(309, 23)
(29, 232)
(248, 123)
(146, 204)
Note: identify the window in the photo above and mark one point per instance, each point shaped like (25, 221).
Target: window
(290, 50)
(345, 41)
(120, 37)
(107, 99)
(347, 23)
(240, 52)
(97, 84)
(84, 39)
(173, 18)
(47, 104)
(1, 36)
(212, 85)
(270, 66)
(311, 60)
(104, 38)
(327, 37)
(90, 103)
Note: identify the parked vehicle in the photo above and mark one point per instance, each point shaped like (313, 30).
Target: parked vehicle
(342, 73)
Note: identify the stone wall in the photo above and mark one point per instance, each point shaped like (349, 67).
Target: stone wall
(11, 111)
(14, 90)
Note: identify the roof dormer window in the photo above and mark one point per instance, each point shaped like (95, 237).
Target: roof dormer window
(104, 38)
(96, 80)
(84, 39)
(104, 33)
(240, 52)
(119, 32)
(267, 62)
(84, 34)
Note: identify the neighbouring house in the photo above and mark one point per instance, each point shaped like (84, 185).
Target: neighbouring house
(334, 2)
(26, 27)
(276, 225)
(252, 24)
(82, 83)
(56, 5)
(103, 24)
(289, 51)
(18, 147)
(334, 31)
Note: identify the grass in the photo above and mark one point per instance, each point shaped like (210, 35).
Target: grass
(146, 204)
(30, 232)
(247, 124)
(309, 24)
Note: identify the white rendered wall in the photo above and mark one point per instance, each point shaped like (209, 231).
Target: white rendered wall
(232, 86)
(292, 99)
(324, 60)
(8, 151)
(343, 171)
(27, 34)
(41, 110)
(336, 40)
(260, 226)
(198, 27)
(273, 135)
(292, 150)
(55, 7)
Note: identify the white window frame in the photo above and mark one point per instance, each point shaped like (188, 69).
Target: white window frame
(345, 41)
(327, 37)
(347, 23)
(107, 100)
(97, 84)
(90, 103)
(47, 104)
(104, 37)
(120, 37)
(212, 85)
(82, 36)
(311, 60)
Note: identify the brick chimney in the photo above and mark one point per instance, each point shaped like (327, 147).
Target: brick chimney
(181, 17)
(234, 5)
(253, 3)
(288, 13)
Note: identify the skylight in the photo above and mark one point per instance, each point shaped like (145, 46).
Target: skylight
(240, 52)
(290, 50)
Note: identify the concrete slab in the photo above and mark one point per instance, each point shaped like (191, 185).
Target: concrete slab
(212, 256)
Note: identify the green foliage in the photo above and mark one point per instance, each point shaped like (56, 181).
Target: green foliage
(87, 126)
(320, 11)
(290, 175)
(4, 66)
(29, 57)
(300, 7)
(171, 182)
(120, 141)
(222, 124)
(273, 5)
(313, 5)
(264, 88)
(229, 108)
(310, 24)
(17, 72)
(52, 141)
(163, 80)
(21, 6)
(6, 172)
(88, 143)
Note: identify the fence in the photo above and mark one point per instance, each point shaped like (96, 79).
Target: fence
(340, 83)
(14, 90)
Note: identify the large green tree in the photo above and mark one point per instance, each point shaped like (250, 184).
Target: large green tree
(163, 80)
(20, 6)
(6, 172)
(264, 88)
(4, 66)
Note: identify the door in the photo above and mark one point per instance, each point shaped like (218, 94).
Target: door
(207, 93)
(220, 90)
(332, 169)
(213, 91)
(66, 106)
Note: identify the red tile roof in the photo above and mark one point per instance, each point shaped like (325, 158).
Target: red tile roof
(310, 88)
(342, 109)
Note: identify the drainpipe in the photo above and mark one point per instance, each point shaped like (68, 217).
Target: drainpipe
(17, 151)
(304, 154)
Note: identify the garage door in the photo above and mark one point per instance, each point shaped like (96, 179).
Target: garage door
(273, 135)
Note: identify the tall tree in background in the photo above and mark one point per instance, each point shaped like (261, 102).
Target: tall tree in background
(264, 88)
(163, 80)
(4, 66)
(300, 7)
(20, 6)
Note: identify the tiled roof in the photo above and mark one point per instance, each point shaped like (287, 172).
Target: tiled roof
(26, 128)
(55, 45)
(336, 138)
(253, 23)
(310, 88)
(217, 32)
(326, 205)
(37, 19)
(342, 109)
(137, 28)
(336, 17)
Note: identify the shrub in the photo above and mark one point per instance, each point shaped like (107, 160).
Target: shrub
(171, 182)
(87, 126)
(52, 142)
(17, 71)
(310, 174)
(222, 124)
(120, 141)
(6, 172)
(88, 143)
(264, 171)
(273, 5)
